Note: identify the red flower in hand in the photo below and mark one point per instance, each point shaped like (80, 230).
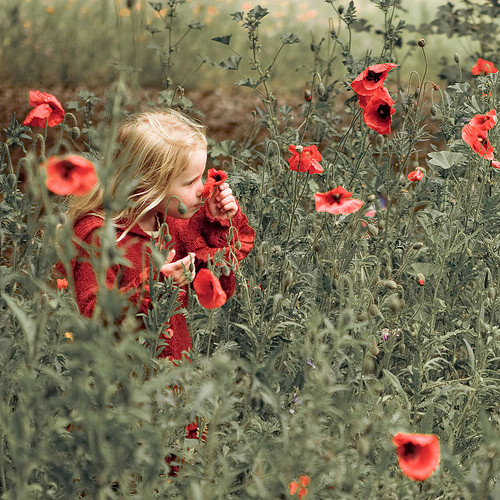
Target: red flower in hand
(371, 79)
(70, 174)
(47, 110)
(485, 122)
(377, 113)
(305, 159)
(416, 175)
(215, 177)
(418, 454)
(476, 138)
(337, 201)
(209, 290)
(483, 67)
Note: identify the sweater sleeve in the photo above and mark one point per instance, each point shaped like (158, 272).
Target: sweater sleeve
(86, 286)
(206, 235)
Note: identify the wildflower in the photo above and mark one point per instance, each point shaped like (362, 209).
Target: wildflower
(337, 201)
(475, 137)
(70, 174)
(385, 333)
(483, 67)
(420, 279)
(371, 79)
(485, 122)
(299, 486)
(62, 284)
(209, 290)
(495, 164)
(69, 336)
(418, 454)
(305, 159)
(416, 175)
(47, 110)
(377, 113)
(215, 178)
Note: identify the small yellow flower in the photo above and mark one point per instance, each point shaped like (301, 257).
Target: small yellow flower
(69, 336)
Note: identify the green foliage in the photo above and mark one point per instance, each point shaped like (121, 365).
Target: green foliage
(344, 329)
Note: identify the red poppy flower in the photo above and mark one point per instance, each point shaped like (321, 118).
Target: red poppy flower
(337, 201)
(416, 175)
(378, 111)
(62, 284)
(476, 138)
(495, 164)
(215, 178)
(485, 122)
(371, 79)
(418, 454)
(483, 67)
(305, 160)
(47, 110)
(70, 174)
(209, 290)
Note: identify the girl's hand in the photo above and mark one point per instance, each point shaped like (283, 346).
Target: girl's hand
(180, 269)
(222, 203)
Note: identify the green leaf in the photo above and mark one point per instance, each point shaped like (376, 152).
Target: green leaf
(444, 159)
(223, 148)
(222, 39)
(394, 381)
(289, 38)
(231, 63)
(248, 82)
(258, 12)
(26, 324)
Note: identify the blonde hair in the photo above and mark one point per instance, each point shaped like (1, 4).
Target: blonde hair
(155, 147)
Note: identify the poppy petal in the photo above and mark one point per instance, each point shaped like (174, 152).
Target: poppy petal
(208, 289)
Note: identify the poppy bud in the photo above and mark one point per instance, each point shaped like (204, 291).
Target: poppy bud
(435, 87)
(371, 198)
(341, 9)
(75, 133)
(12, 181)
(259, 260)
(421, 43)
(373, 310)
(394, 303)
(364, 316)
(381, 224)
(420, 278)
(307, 95)
(418, 245)
(491, 292)
(457, 58)
(391, 284)
(433, 110)
(372, 230)
(321, 89)
(299, 149)
(238, 245)
(226, 271)
(182, 209)
(288, 279)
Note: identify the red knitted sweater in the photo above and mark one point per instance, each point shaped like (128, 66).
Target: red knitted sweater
(202, 234)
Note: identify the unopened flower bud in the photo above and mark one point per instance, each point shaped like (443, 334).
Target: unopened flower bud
(373, 310)
(421, 43)
(371, 198)
(433, 110)
(420, 278)
(182, 209)
(321, 89)
(457, 58)
(391, 284)
(12, 181)
(417, 245)
(226, 271)
(299, 149)
(307, 95)
(394, 303)
(259, 260)
(238, 245)
(288, 279)
(75, 133)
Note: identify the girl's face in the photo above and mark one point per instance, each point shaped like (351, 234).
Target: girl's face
(188, 186)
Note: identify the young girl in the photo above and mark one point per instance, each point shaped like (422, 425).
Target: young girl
(162, 155)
